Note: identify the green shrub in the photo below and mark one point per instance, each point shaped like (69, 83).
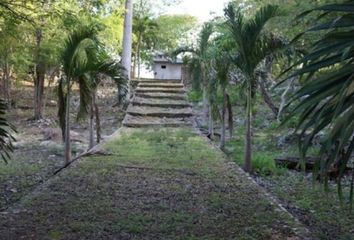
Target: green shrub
(195, 96)
(264, 164)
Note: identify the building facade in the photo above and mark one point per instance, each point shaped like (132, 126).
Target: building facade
(165, 68)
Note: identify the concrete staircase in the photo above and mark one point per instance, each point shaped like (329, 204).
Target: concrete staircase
(159, 103)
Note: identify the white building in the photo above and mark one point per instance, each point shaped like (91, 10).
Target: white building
(165, 68)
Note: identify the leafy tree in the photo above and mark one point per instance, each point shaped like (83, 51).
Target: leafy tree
(325, 101)
(174, 31)
(17, 9)
(9, 35)
(253, 45)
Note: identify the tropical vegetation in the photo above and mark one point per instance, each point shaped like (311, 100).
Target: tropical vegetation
(270, 82)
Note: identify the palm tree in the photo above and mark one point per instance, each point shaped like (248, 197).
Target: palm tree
(6, 137)
(79, 50)
(85, 62)
(253, 45)
(325, 101)
(199, 63)
(102, 66)
(145, 30)
(222, 68)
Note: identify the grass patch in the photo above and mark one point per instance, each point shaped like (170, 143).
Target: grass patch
(165, 148)
(157, 184)
(263, 162)
(321, 211)
(195, 96)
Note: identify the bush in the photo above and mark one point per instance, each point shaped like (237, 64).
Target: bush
(264, 164)
(195, 96)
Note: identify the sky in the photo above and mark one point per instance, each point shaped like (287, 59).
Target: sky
(199, 8)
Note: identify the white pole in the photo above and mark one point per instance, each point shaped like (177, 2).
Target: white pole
(127, 41)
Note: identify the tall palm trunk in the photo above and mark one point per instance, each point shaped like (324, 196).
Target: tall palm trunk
(67, 126)
(205, 105)
(92, 122)
(127, 41)
(223, 125)
(248, 138)
(230, 115)
(98, 120)
(211, 123)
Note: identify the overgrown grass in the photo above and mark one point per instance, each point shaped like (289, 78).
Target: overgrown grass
(171, 148)
(321, 211)
(263, 162)
(157, 184)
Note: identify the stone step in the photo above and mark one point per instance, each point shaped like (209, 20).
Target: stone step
(163, 103)
(161, 85)
(141, 122)
(157, 81)
(172, 96)
(159, 112)
(159, 90)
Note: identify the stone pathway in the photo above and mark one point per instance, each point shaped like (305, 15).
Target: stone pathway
(159, 103)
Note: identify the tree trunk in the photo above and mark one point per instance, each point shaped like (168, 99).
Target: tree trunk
(67, 126)
(98, 120)
(230, 115)
(205, 106)
(248, 137)
(92, 127)
(135, 63)
(7, 84)
(223, 127)
(139, 57)
(51, 80)
(38, 79)
(267, 99)
(211, 123)
(283, 98)
(127, 41)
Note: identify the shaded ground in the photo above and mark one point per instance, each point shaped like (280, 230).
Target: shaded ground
(39, 150)
(156, 184)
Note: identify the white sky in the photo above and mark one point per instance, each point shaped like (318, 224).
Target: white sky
(199, 8)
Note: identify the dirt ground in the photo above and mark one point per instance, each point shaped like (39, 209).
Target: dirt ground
(39, 149)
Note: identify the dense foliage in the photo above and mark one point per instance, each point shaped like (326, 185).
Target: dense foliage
(325, 101)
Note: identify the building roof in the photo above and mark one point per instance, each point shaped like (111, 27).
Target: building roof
(163, 58)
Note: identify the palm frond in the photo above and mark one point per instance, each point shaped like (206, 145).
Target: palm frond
(78, 48)
(6, 134)
(252, 44)
(325, 102)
